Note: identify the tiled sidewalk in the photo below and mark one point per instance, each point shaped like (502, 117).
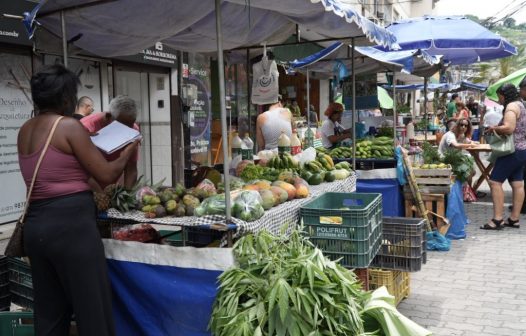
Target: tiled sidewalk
(478, 287)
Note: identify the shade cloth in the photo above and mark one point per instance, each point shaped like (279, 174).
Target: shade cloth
(125, 27)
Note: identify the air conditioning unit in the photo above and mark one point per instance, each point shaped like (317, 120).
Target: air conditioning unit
(380, 15)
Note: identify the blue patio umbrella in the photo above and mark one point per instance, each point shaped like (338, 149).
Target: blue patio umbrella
(458, 39)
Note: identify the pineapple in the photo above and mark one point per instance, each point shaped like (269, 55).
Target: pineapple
(121, 199)
(102, 201)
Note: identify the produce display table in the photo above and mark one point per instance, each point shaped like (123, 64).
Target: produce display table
(273, 220)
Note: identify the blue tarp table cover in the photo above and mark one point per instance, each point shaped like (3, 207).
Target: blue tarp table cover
(392, 197)
(160, 290)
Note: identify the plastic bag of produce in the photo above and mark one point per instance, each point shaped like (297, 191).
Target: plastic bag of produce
(144, 233)
(267, 154)
(214, 205)
(247, 206)
(307, 155)
(207, 186)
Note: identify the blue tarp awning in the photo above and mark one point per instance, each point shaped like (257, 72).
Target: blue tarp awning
(370, 60)
(126, 27)
(473, 86)
(458, 39)
(412, 87)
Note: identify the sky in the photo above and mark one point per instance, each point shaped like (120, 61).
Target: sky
(481, 8)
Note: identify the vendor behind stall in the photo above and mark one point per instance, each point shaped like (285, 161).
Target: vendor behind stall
(331, 130)
(124, 110)
(271, 123)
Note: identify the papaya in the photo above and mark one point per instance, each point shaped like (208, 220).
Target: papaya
(289, 188)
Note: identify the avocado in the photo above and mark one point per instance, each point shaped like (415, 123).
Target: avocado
(330, 177)
(315, 179)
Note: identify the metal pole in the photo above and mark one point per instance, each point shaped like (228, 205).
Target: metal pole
(249, 86)
(395, 119)
(64, 39)
(308, 98)
(425, 107)
(353, 108)
(224, 134)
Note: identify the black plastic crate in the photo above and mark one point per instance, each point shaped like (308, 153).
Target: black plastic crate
(369, 164)
(403, 244)
(201, 237)
(20, 283)
(5, 295)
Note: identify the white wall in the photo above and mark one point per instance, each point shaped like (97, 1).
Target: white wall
(160, 127)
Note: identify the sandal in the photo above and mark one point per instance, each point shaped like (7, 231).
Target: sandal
(493, 225)
(512, 223)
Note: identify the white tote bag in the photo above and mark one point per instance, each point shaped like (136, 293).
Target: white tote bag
(265, 86)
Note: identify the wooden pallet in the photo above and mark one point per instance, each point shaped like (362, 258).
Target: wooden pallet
(434, 203)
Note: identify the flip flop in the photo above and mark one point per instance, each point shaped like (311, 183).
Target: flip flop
(496, 225)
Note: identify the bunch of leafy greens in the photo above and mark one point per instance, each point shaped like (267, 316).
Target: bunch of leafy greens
(430, 153)
(285, 286)
(251, 172)
(462, 165)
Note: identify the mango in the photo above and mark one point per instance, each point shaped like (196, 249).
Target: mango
(281, 194)
(263, 184)
(268, 198)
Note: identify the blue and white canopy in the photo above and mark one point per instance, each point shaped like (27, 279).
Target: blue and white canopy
(442, 87)
(458, 39)
(124, 27)
(370, 60)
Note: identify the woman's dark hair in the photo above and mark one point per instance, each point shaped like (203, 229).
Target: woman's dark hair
(509, 92)
(55, 88)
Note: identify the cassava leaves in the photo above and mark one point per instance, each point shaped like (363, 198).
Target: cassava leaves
(285, 286)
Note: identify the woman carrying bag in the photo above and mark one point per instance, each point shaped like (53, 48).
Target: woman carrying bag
(509, 167)
(60, 235)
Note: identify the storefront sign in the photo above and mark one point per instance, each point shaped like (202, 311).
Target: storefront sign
(15, 109)
(12, 30)
(160, 55)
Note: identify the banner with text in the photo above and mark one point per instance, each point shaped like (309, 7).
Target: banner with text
(196, 78)
(15, 109)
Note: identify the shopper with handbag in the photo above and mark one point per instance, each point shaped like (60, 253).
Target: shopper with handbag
(508, 167)
(60, 235)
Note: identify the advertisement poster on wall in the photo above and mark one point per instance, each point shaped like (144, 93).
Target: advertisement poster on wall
(196, 79)
(15, 109)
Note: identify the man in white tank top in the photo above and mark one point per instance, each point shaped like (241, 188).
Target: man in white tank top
(271, 123)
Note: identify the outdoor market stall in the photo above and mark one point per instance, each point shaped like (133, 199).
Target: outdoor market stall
(370, 158)
(197, 27)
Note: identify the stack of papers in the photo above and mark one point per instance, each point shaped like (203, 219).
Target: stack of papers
(114, 137)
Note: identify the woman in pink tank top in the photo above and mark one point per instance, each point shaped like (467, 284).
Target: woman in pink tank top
(60, 234)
